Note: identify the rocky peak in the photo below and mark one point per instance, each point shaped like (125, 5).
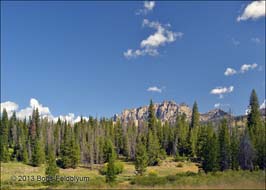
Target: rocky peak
(165, 111)
(212, 115)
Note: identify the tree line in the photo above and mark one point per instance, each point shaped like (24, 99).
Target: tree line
(36, 141)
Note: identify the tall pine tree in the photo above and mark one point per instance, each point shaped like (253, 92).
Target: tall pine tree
(4, 149)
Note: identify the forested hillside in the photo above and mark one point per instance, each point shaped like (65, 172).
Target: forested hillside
(36, 141)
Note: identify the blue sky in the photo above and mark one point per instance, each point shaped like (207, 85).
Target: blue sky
(70, 56)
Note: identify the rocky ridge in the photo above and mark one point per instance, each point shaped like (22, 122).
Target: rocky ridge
(166, 111)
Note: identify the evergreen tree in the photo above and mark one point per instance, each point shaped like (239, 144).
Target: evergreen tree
(51, 169)
(111, 156)
(151, 117)
(118, 132)
(234, 150)
(210, 153)
(65, 149)
(195, 116)
(141, 161)
(74, 152)
(224, 146)
(183, 135)
(257, 130)
(153, 145)
(153, 148)
(4, 149)
(38, 155)
(126, 149)
(193, 140)
(253, 120)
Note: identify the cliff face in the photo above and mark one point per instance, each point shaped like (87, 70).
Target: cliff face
(166, 111)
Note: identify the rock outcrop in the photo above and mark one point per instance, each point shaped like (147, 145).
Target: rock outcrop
(166, 111)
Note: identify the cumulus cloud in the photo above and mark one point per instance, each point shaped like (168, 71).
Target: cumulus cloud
(43, 111)
(149, 46)
(34, 104)
(229, 71)
(148, 6)
(154, 89)
(222, 90)
(246, 67)
(9, 106)
(254, 10)
(243, 69)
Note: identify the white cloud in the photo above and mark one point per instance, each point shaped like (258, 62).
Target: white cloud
(256, 40)
(140, 52)
(10, 107)
(43, 111)
(243, 69)
(154, 89)
(217, 105)
(148, 6)
(263, 105)
(150, 45)
(229, 71)
(246, 67)
(254, 10)
(222, 90)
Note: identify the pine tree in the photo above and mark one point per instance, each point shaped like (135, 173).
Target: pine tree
(38, 155)
(51, 169)
(153, 145)
(193, 140)
(257, 131)
(151, 117)
(224, 146)
(210, 153)
(118, 132)
(65, 149)
(153, 148)
(74, 152)
(111, 156)
(183, 135)
(234, 150)
(253, 120)
(126, 149)
(195, 116)
(4, 152)
(141, 161)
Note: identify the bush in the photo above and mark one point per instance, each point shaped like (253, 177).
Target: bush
(153, 173)
(119, 167)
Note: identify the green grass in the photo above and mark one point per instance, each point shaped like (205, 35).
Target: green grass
(168, 175)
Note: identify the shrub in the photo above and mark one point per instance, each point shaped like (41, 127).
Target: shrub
(153, 173)
(119, 167)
